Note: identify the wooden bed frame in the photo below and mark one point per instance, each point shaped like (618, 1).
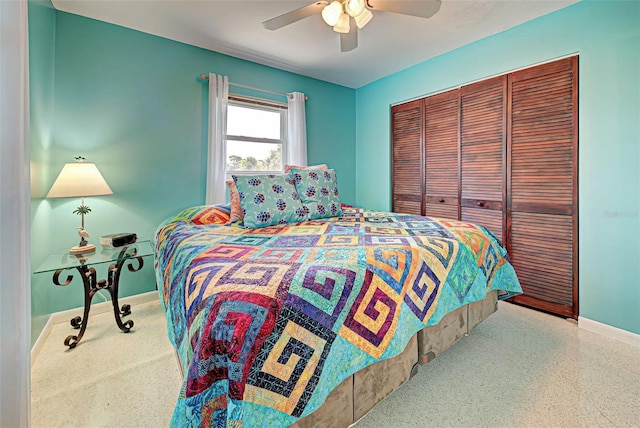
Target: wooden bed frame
(359, 393)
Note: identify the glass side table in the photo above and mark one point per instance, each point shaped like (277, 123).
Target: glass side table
(84, 264)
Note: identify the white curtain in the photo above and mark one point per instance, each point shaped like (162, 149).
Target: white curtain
(15, 285)
(217, 158)
(296, 130)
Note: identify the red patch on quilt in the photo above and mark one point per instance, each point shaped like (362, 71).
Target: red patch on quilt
(212, 215)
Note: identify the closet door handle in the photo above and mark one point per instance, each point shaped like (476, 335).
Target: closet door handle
(480, 203)
(441, 201)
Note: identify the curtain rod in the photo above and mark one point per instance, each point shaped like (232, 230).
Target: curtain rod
(204, 77)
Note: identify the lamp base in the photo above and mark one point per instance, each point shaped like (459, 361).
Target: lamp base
(85, 249)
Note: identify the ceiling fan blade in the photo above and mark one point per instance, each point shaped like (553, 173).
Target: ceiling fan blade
(422, 9)
(294, 15)
(349, 41)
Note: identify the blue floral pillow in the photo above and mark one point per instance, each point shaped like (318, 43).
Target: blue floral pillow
(318, 190)
(269, 199)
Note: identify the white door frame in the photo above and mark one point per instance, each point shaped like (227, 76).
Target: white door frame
(15, 217)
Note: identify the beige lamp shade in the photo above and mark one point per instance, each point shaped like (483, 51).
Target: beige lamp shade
(363, 18)
(354, 7)
(79, 179)
(343, 24)
(331, 13)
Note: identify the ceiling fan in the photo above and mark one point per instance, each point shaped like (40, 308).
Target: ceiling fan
(339, 13)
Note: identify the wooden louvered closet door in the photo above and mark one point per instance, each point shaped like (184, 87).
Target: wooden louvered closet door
(441, 127)
(407, 158)
(542, 192)
(483, 152)
(501, 153)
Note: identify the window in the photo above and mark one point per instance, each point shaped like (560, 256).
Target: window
(256, 135)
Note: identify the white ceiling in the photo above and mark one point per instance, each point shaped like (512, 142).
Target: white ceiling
(389, 43)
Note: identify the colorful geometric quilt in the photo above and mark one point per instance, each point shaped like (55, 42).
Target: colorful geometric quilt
(267, 322)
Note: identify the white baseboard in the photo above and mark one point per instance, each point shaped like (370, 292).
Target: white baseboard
(42, 337)
(96, 308)
(609, 331)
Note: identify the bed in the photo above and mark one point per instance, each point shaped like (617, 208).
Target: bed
(313, 323)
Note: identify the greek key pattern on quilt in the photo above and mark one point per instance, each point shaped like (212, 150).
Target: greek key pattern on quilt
(256, 312)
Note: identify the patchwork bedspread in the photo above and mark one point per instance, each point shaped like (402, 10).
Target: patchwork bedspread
(268, 321)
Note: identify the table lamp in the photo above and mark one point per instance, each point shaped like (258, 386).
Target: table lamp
(77, 180)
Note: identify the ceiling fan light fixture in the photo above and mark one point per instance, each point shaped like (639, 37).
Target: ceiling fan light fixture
(363, 18)
(354, 7)
(332, 12)
(343, 24)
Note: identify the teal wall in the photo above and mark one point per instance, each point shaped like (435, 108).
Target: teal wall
(606, 34)
(42, 24)
(131, 103)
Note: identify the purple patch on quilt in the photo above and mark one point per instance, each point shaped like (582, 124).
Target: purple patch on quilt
(323, 294)
(420, 288)
(379, 297)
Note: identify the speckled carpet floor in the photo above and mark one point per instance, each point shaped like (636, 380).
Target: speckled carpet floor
(519, 368)
(110, 379)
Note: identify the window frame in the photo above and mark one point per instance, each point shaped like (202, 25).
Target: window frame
(264, 105)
